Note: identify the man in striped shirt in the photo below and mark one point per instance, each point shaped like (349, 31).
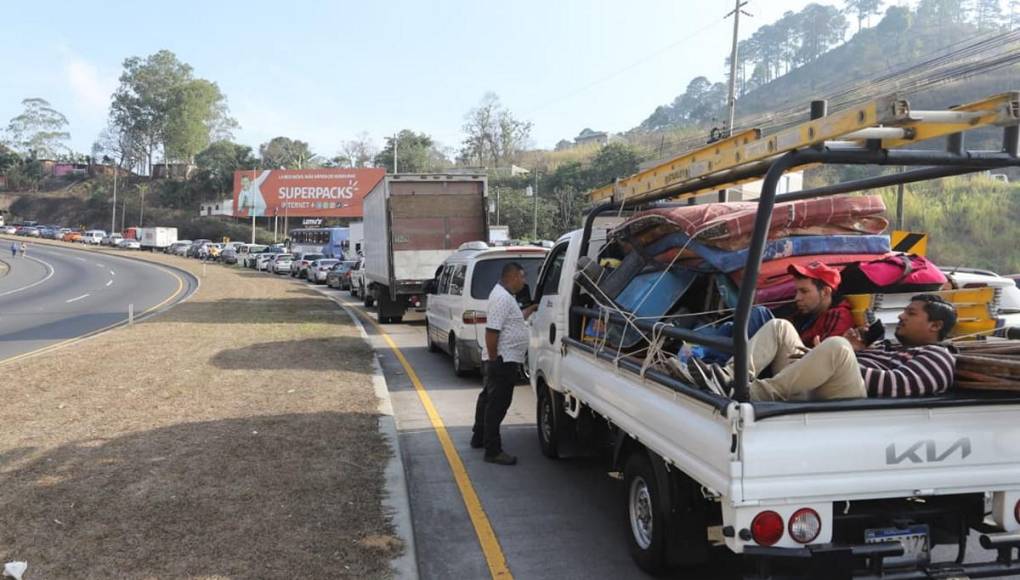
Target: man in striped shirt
(845, 367)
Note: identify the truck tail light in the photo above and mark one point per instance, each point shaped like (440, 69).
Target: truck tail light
(805, 525)
(474, 317)
(767, 528)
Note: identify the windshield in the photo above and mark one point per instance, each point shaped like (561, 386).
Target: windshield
(312, 257)
(487, 273)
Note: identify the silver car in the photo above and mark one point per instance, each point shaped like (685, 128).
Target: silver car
(319, 269)
(280, 263)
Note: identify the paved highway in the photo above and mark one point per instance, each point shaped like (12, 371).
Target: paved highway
(55, 294)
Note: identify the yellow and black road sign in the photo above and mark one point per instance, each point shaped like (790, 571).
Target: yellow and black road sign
(909, 242)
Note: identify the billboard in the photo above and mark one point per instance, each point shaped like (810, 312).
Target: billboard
(332, 192)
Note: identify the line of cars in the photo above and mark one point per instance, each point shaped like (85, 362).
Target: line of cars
(88, 237)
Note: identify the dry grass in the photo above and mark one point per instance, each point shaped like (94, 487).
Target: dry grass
(232, 437)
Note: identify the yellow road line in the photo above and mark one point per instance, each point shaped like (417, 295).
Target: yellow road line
(63, 343)
(483, 529)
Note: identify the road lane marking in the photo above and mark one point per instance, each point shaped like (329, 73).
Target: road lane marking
(109, 282)
(145, 314)
(483, 528)
(37, 282)
(112, 273)
(77, 299)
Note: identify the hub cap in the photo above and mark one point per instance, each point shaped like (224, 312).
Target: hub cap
(640, 509)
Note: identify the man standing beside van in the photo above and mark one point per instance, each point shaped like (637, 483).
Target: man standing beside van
(506, 344)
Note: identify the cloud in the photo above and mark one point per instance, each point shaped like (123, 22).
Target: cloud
(92, 90)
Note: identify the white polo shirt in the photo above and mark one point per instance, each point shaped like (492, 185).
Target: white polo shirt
(505, 315)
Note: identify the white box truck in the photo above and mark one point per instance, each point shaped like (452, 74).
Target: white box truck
(356, 240)
(156, 238)
(412, 223)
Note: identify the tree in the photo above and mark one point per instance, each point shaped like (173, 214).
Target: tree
(357, 152)
(612, 161)
(416, 153)
(194, 114)
(864, 10)
(988, 15)
(164, 107)
(821, 28)
(39, 131)
(218, 162)
(494, 135)
(286, 153)
(9, 159)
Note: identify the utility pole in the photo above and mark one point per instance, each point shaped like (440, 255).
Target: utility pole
(113, 218)
(141, 206)
(731, 103)
(534, 227)
(395, 136)
(252, 210)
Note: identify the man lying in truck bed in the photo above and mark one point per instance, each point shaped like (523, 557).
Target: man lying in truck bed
(846, 367)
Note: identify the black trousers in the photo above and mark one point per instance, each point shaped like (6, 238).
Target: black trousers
(493, 402)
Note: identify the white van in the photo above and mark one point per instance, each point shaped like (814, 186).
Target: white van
(93, 237)
(455, 313)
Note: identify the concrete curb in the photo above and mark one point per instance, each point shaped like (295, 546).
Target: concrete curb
(397, 501)
(4, 268)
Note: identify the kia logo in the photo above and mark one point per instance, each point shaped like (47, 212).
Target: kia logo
(930, 454)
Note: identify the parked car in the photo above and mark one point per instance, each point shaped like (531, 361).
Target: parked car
(111, 240)
(93, 237)
(28, 231)
(457, 298)
(262, 259)
(129, 244)
(179, 248)
(281, 263)
(229, 255)
(301, 263)
(339, 276)
(72, 236)
(247, 252)
(192, 251)
(318, 269)
(9, 229)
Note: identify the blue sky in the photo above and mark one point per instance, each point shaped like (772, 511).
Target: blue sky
(325, 71)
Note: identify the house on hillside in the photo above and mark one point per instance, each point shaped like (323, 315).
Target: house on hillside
(587, 137)
(220, 207)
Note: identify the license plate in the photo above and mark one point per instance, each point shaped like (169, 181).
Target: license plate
(914, 539)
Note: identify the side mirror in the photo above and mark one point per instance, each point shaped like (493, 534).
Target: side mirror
(429, 287)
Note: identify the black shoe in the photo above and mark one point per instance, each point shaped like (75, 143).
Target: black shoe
(704, 377)
(477, 443)
(723, 377)
(503, 458)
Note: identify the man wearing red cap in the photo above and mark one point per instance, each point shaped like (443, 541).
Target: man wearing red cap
(816, 317)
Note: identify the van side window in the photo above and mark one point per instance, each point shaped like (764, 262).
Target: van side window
(549, 285)
(444, 281)
(457, 280)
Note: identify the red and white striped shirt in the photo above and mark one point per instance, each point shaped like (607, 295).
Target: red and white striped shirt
(898, 371)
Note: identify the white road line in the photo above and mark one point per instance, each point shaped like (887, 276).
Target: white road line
(110, 282)
(36, 283)
(112, 273)
(100, 265)
(77, 299)
(80, 258)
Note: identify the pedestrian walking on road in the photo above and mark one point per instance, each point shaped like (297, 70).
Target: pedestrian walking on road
(14, 249)
(506, 343)
(24, 249)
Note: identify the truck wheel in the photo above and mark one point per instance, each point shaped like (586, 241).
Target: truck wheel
(549, 422)
(368, 299)
(646, 514)
(428, 337)
(460, 367)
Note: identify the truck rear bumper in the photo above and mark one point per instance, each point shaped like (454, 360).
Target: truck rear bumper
(867, 561)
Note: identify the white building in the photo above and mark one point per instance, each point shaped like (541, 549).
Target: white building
(222, 207)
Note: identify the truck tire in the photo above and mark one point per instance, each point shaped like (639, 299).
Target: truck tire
(646, 513)
(367, 297)
(428, 337)
(550, 421)
(460, 368)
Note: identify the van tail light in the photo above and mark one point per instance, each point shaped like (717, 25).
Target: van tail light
(474, 317)
(805, 525)
(767, 528)
(1016, 512)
